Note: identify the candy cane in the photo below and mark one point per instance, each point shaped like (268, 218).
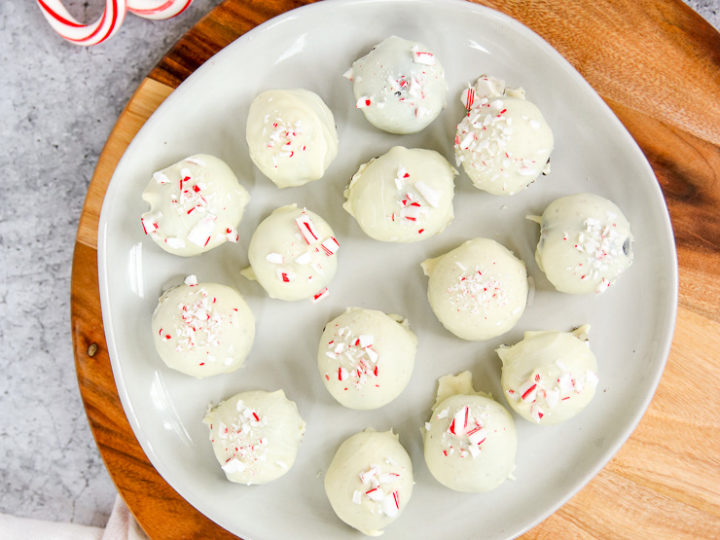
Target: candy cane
(157, 10)
(109, 23)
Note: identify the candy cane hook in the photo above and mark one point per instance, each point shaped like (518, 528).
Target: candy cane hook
(115, 10)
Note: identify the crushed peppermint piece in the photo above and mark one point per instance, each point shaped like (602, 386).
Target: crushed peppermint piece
(330, 246)
(348, 74)
(465, 433)
(161, 178)
(474, 291)
(149, 222)
(241, 440)
(307, 228)
(378, 488)
(191, 280)
(275, 258)
(363, 102)
(202, 231)
(175, 243)
(427, 193)
(422, 57)
(322, 294)
(355, 356)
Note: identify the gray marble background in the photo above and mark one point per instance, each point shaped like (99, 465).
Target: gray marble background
(58, 103)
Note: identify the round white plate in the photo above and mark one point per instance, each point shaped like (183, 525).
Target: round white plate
(311, 47)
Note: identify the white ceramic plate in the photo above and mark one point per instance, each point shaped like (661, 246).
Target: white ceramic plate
(311, 47)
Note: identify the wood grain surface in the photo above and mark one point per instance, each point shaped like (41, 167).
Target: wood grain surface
(657, 64)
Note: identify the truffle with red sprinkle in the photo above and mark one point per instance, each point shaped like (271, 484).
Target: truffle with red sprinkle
(549, 377)
(291, 136)
(365, 357)
(203, 329)
(369, 481)
(477, 290)
(293, 255)
(585, 243)
(255, 435)
(470, 441)
(195, 205)
(399, 85)
(405, 195)
(503, 141)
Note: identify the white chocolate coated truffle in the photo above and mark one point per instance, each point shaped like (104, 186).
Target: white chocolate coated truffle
(503, 143)
(195, 205)
(549, 377)
(477, 290)
(470, 440)
(366, 357)
(203, 329)
(293, 254)
(405, 195)
(255, 435)
(399, 85)
(291, 135)
(369, 481)
(585, 243)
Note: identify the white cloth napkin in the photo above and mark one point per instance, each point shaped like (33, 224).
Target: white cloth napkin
(120, 526)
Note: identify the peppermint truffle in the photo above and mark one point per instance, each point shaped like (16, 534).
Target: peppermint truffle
(503, 142)
(291, 135)
(549, 377)
(255, 435)
(195, 205)
(405, 195)
(202, 329)
(366, 357)
(470, 441)
(369, 481)
(293, 254)
(399, 85)
(477, 290)
(585, 243)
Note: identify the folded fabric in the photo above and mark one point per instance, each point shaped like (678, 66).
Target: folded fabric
(120, 526)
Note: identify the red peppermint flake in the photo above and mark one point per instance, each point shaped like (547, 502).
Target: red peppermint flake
(420, 231)
(396, 498)
(320, 295)
(529, 391)
(470, 98)
(255, 416)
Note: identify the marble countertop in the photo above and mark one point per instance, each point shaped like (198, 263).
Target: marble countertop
(58, 104)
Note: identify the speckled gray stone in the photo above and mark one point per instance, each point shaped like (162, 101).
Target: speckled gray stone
(58, 103)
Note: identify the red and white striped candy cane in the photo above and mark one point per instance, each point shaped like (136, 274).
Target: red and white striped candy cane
(109, 23)
(157, 9)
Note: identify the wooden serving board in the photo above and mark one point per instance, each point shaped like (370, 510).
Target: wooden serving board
(657, 64)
